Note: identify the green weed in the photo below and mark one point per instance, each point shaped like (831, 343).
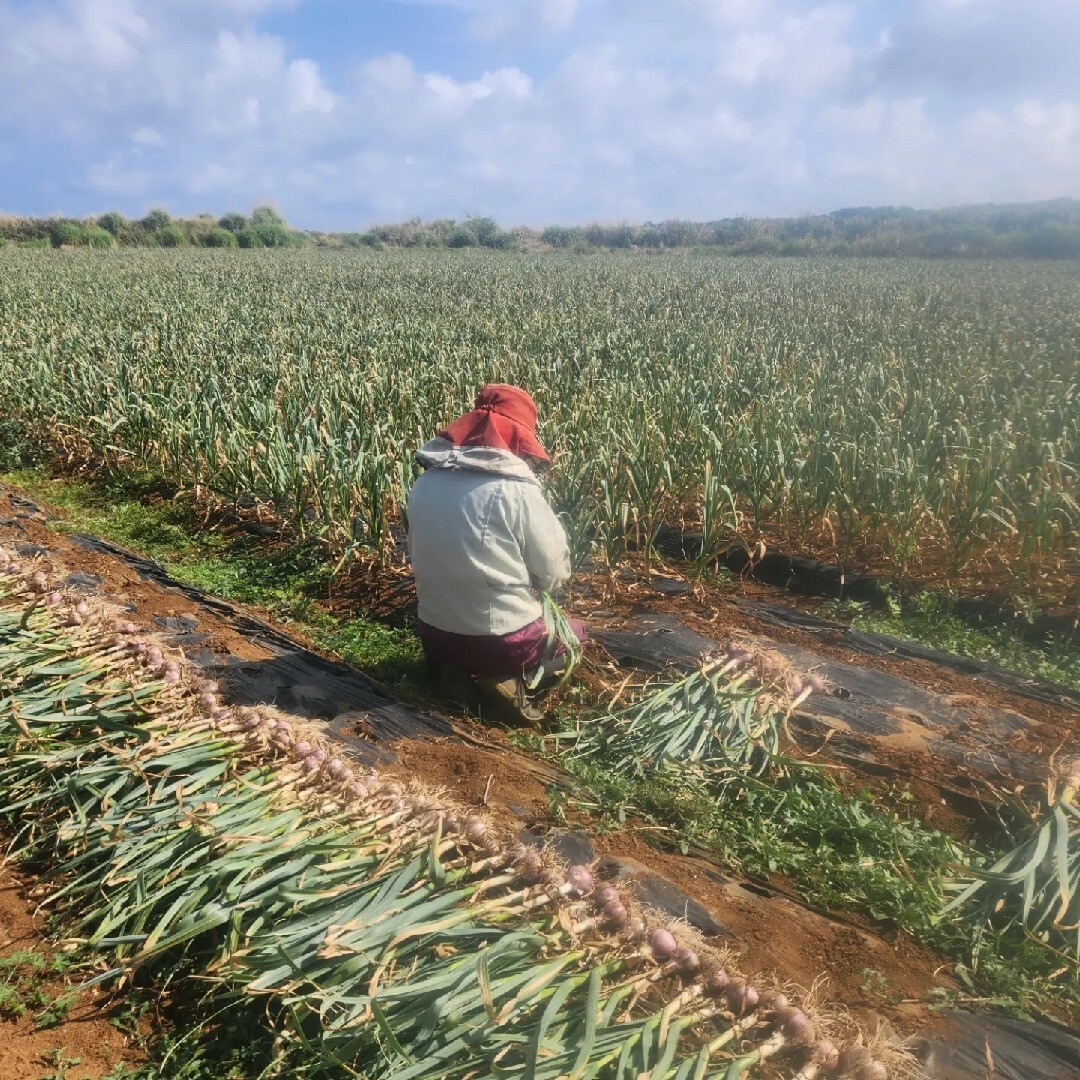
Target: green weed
(16, 451)
(291, 583)
(939, 622)
(25, 987)
(58, 1064)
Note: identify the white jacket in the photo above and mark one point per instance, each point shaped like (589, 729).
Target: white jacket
(482, 538)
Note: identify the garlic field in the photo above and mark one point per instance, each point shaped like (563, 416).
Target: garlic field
(881, 844)
(915, 417)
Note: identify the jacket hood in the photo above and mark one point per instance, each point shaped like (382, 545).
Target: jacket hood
(503, 418)
(441, 453)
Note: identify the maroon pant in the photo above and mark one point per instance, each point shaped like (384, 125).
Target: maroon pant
(504, 655)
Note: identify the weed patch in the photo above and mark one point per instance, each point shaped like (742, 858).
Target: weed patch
(938, 621)
(289, 582)
(27, 986)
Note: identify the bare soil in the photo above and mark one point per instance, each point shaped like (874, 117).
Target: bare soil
(502, 781)
(27, 1052)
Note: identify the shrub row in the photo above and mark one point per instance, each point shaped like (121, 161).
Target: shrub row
(1047, 230)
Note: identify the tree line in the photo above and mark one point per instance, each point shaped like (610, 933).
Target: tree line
(1045, 230)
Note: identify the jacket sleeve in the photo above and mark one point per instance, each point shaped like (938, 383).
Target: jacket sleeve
(543, 541)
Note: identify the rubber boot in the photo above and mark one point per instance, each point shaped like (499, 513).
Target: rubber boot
(508, 701)
(553, 672)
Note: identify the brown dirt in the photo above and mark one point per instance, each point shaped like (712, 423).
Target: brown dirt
(501, 780)
(779, 939)
(26, 1053)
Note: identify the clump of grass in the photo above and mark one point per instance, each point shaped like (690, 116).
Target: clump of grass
(942, 623)
(195, 1036)
(290, 582)
(17, 451)
(27, 980)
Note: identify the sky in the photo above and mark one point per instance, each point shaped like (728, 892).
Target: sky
(346, 113)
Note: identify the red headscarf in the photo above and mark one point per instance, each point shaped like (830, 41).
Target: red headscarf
(504, 418)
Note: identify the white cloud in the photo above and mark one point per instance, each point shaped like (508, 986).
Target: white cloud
(895, 151)
(891, 144)
(973, 48)
(1032, 148)
(558, 15)
(148, 136)
(492, 19)
(305, 89)
(802, 53)
(547, 109)
(122, 175)
(450, 95)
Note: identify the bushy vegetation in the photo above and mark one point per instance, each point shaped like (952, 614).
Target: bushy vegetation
(264, 228)
(1046, 230)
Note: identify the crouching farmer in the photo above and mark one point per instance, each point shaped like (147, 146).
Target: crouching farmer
(483, 543)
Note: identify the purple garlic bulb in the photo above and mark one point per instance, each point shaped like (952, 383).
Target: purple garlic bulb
(606, 894)
(663, 944)
(773, 1001)
(475, 830)
(530, 863)
(796, 1027)
(579, 880)
(872, 1070)
(614, 914)
(824, 1053)
(741, 998)
(686, 961)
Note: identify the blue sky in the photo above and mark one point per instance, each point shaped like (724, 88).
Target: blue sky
(344, 113)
